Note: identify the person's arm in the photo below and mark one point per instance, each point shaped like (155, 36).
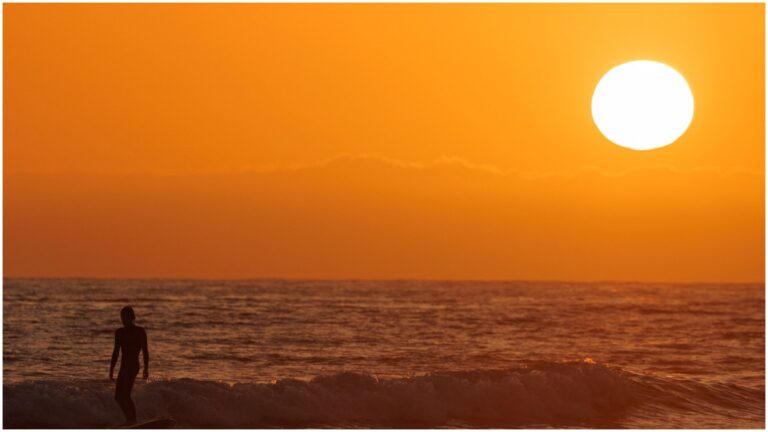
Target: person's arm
(145, 349)
(115, 354)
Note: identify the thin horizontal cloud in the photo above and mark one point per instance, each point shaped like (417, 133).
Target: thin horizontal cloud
(455, 161)
(444, 161)
(384, 160)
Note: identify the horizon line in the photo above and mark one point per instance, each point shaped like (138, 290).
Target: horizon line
(394, 279)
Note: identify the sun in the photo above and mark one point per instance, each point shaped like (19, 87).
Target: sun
(642, 105)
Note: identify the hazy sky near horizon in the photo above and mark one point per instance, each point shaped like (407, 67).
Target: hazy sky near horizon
(375, 141)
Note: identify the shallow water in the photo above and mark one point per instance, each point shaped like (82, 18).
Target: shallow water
(394, 353)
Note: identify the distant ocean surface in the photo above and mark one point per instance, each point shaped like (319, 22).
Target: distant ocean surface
(275, 353)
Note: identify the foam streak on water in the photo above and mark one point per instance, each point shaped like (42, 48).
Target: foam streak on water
(396, 353)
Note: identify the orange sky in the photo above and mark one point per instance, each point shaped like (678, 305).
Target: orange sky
(375, 141)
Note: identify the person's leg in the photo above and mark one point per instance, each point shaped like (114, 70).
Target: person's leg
(120, 394)
(130, 411)
(123, 387)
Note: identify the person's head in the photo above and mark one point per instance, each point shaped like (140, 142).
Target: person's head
(127, 316)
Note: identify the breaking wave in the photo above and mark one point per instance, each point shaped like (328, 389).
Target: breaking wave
(540, 395)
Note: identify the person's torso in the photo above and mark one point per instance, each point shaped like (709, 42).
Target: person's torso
(131, 339)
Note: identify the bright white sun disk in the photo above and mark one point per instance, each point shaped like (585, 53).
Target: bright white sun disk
(642, 105)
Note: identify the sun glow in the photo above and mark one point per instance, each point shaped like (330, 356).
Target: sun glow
(642, 105)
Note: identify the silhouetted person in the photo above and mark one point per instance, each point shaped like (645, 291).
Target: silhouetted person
(130, 339)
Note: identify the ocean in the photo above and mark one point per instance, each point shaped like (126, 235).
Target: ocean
(284, 353)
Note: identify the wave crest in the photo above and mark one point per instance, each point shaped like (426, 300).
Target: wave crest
(546, 394)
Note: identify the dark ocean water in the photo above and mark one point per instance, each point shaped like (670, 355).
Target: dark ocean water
(271, 353)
